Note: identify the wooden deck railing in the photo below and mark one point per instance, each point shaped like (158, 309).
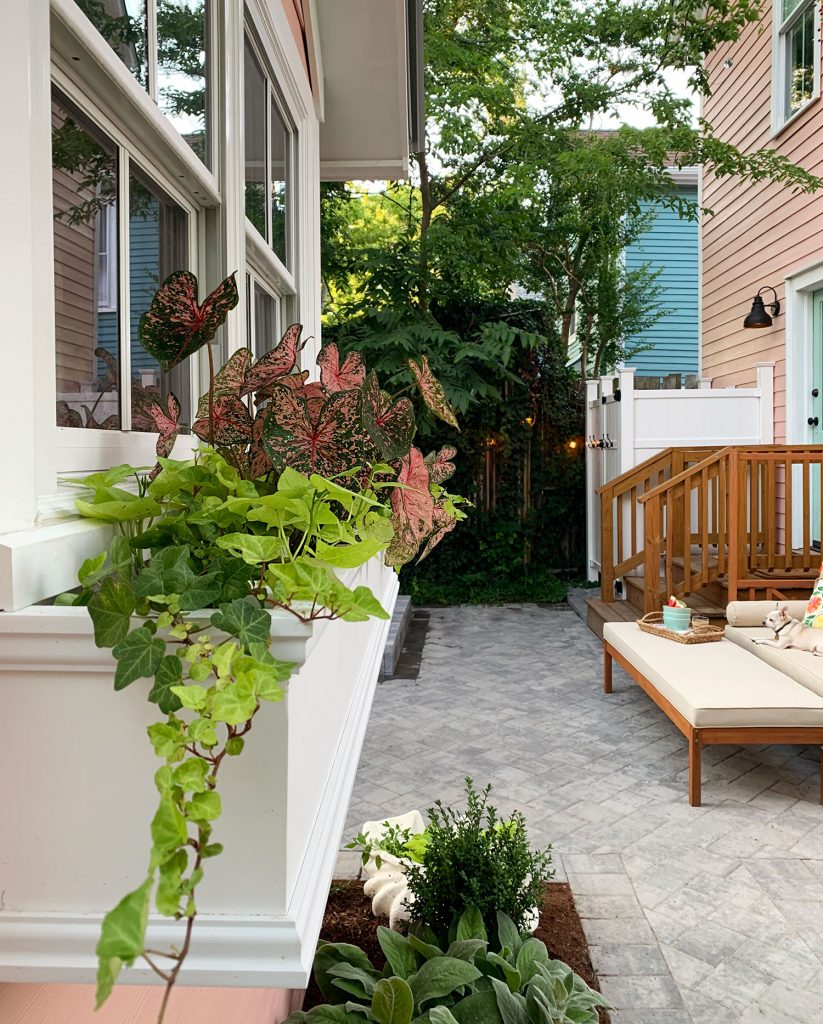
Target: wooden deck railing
(748, 516)
(621, 515)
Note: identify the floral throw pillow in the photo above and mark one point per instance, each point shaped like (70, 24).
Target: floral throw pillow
(814, 609)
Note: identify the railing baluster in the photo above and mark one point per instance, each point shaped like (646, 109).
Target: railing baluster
(652, 530)
(788, 538)
(770, 515)
(703, 520)
(807, 513)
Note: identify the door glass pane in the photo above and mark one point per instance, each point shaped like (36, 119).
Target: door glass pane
(84, 187)
(122, 23)
(158, 245)
(181, 69)
(801, 61)
(266, 326)
(255, 123)
(279, 183)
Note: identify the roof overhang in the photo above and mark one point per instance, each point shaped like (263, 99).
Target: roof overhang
(372, 65)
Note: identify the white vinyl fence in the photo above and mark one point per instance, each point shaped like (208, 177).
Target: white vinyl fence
(624, 427)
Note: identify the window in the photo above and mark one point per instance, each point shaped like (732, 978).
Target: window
(265, 316)
(268, 156)
(163, 43)
(105, 278)
(796, 65)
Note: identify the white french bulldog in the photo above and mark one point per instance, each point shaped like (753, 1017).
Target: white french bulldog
(789, 632)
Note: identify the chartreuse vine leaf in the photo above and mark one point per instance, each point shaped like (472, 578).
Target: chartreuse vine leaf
(253, 550)
(111, 608)
(191, 697)
(205, 806)
(204, 732)
(235, 704)
(245, 620)
(392, 1002)
(90, 571)
(168, 828)
(169, 674)
(122, 937)
(167, 897)
(348, 556)
(167, 738)
(190, 776)
(121, 511)
(138, 654)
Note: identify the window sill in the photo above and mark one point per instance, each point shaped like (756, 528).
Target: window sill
(797, 116)
(266, 264)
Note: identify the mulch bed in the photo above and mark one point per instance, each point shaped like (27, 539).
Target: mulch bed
(349, 919)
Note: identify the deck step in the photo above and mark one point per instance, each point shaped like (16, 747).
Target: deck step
(599, 612)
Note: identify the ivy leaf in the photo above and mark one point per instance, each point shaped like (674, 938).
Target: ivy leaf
(235, 704)
(108, 970)
(231, 419)
(123, 932)
(202, 592)
(191, 696)
(390, 424)
(245, 620)
(168, 572)
(167, 422)
(335, 377)
(276, 363)
(168, 828)
(138, 654)
(167, 897)
(168, 675)
(110, 610)
(412, 510)
(203, 731)
(432, 391)
(205, 806)
(91, 569)
(175, 326)
(234, 577)
(439, 464)
(167, 739)
(327, 445)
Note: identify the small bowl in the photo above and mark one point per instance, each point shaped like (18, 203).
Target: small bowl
(677, 618)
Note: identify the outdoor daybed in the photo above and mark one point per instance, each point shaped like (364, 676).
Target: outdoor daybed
(733, 691)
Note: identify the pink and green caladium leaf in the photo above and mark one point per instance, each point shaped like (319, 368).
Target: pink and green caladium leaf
(176, 325)
(443, 523)
(390, 424)
(441, 468)
(258, 461)
(412, 510)
(232, 422)
(340, 378)
(229, 380)
(277, 363)
(327, 444)
(432, 391)
(168, 426)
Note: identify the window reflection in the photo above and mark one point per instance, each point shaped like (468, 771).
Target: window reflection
(181, 69)
(158, 245)
(801, 61)
(84, 187)
(255, 124)
(123, 24)
(266, 325)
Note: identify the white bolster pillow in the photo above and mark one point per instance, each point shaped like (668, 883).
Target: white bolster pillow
(752, 613)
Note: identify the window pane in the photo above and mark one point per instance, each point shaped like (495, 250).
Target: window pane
(279, 184)
(789, 6)
(255, 123)
(122, 23)
(158, 245)
(84, 186)
(801, 61)
(181, 69)
(266, 325)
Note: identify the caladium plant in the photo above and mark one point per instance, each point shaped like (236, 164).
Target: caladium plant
(265, 416)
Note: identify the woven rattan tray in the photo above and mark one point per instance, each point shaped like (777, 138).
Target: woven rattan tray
(653, 623)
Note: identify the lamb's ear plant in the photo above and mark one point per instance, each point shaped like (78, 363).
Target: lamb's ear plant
(471, 980)
(207, 549)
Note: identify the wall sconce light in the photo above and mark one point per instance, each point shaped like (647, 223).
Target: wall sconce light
(758, 317)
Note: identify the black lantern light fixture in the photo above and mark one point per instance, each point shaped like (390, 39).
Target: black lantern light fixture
(758, 317)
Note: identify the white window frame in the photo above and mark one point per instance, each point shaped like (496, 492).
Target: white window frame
(781, 62)
(106, 282)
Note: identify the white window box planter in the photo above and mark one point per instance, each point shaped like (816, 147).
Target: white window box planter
(77, 792)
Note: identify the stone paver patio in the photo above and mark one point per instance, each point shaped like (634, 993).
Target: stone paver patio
(710, 915)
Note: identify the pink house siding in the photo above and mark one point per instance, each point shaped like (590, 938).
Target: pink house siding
(759, 232)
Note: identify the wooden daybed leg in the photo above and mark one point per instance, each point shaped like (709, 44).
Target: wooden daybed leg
(607, 669)
(695, 766)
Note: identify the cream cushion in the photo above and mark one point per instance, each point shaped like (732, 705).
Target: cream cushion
(716, 685)
(802, 666)
(752, 613)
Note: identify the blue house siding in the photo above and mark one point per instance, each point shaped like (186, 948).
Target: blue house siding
(671, 245)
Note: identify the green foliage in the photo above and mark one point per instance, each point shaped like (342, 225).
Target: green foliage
(207, 549)
(469, 980)
(473, 859)
(395, 840)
